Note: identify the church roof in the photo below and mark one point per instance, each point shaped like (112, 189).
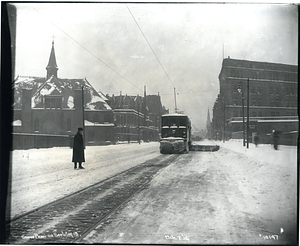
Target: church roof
(58, 87)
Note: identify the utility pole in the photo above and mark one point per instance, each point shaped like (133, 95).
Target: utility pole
(139, 121)
(248, 103)
(224, 129)
(83, 117)
(175, 100)
(241, 91)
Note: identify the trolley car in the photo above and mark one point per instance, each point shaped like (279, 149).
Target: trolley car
(175, 134)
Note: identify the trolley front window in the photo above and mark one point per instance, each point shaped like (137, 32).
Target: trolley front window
(172, 121)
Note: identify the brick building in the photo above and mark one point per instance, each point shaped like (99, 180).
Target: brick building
(273, 100)
(137, 118)
(51, 108)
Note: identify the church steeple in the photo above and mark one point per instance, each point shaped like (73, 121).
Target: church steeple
(208, 125)
(52, 66)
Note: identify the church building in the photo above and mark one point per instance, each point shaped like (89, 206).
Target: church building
(48, 110)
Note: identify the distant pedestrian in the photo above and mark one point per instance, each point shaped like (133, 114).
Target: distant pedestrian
(78, 149)
(256, 140)
(275, 136)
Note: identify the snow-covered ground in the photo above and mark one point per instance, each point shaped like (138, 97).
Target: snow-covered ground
(40, 176)
(257, 190)
(233, 196)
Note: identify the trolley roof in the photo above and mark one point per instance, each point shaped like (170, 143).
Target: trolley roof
(166, 115)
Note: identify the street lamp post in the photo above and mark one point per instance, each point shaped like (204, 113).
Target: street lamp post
(139, 141)
(224, 121)
(248, 102)
(241, 91)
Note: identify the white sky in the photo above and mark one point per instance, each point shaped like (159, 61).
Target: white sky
(104, 43)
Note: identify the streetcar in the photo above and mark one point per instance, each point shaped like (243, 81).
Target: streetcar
(175, 134)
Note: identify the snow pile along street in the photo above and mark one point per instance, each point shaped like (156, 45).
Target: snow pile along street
(235, 195)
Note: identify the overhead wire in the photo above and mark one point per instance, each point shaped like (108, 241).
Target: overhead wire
(152, 49)
(88, 50)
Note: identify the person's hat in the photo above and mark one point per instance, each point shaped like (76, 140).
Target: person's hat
(80, 129)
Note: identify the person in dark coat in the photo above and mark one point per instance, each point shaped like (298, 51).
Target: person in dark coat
(78, 149)
(256, 140)
(275, 136)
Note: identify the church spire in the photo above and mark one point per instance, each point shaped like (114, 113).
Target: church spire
(208, 125)
(208, 117)
(52, 66)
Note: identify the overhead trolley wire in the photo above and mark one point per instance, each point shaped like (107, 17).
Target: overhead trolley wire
(152, 50)
(89, 51)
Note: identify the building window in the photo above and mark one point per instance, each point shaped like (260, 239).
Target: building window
(271, 90)
(272, 113)
(272, 103)
(260, 114)
(277, 101)
(293, 103)
(53, 102)
(254, 114)
(259, 100)
(235, 100)
(232, 73)
(259, 90)
(36, 125)
(254, 100)
(96, 118)
(68, 125)
(106, 118)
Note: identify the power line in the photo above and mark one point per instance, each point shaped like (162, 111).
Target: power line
(153, 51)
(150, 46)
(88, 51)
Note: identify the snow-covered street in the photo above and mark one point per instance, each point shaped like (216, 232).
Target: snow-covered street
(235, 195)
(40, 176)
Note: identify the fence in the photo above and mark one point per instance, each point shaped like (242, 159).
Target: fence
(29, 141)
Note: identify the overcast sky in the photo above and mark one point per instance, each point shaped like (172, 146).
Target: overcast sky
(124, 47)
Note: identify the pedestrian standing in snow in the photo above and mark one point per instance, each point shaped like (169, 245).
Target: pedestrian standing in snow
(256, 140)
(275, 136)
(78, 149)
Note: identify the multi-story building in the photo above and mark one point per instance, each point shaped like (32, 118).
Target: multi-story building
(51, 109)
(273, 99)
(137, 118)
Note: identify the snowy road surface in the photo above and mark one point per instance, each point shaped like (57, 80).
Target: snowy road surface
(40, 176)
(233, 196)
